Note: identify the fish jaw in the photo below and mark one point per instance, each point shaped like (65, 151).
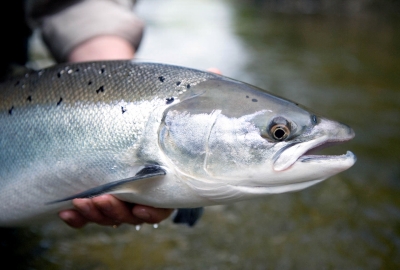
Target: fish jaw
(305, 172)
(326, 133)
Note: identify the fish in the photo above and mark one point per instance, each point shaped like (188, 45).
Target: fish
(153, 134)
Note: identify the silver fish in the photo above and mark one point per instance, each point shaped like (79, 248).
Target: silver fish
(154, 134)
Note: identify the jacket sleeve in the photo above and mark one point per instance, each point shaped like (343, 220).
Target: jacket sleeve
(66, 23)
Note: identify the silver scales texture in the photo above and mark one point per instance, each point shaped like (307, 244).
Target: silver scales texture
(72, 126)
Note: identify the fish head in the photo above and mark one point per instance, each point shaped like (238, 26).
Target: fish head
(240, 136)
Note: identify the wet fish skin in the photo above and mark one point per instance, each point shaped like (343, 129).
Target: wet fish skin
(69, 128)
(74, 127)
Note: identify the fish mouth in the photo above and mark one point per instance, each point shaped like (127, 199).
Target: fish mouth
(305, 151)
(315, 158)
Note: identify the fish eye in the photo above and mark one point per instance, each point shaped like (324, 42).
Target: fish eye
(279, 129)
(280, 132)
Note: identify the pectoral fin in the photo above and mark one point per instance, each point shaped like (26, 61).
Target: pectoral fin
(146, 172)
(188, 216)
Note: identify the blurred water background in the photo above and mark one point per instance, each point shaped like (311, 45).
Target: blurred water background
(339, 58)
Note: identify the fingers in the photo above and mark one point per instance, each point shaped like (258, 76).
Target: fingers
(85, 211)
(150, 214)
(109, 211)
(73, 218)
(114, 211)
(215, 70)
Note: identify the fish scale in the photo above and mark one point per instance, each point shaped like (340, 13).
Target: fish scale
(120, 80)
(42, 131)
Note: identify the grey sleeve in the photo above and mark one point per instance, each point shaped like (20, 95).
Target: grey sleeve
(65, 24)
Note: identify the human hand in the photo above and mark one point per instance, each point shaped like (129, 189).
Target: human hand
(109, 211)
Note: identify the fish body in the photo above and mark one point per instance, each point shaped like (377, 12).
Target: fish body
(154, 134)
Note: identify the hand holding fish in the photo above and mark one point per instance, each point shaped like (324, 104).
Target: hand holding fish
(151, 134)
(109, 211)
(106, 209)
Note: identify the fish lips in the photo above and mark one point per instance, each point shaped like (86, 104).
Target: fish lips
(329, 133)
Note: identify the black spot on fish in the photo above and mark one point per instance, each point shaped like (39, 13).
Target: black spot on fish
(29, 98)
(170, 100)
(77, 70)
(247, 96)
(59, 102)
(101, 89)
(161, 78)
(297, 104)
(254, 100)
(59, 74)
(102, 70)
(89, 83)
(188, 86)
(16, 83)
(10, 111)
(123, 109)
(178, 83)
